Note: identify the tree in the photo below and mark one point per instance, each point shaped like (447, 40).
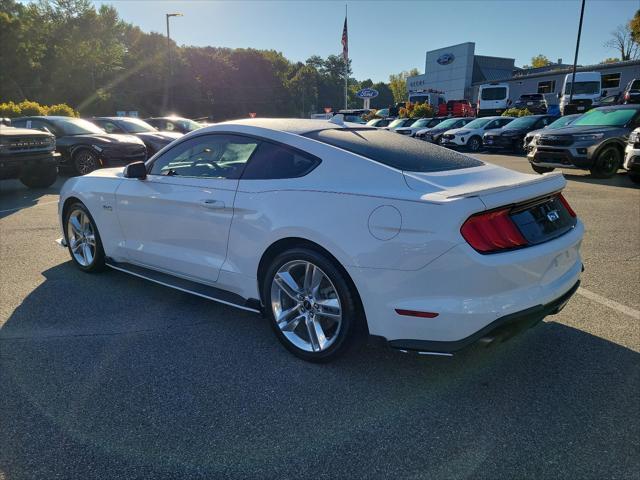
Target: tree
(634, 26)
(610, 60)
(622, 41)
(398, 84)
(540, 60)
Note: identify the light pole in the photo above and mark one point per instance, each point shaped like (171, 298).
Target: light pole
(575, 59)
(168, 86)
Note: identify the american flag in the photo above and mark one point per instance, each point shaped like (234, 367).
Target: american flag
(345, 42)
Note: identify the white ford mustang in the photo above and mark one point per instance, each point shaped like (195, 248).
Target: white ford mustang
(326, 227)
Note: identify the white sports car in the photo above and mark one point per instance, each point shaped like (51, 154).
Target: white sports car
(325, 227)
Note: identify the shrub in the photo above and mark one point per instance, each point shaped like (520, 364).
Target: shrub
(62, 109)
(423, 110)
(10, 110)
(370, 116)
(28, 108)
(517, 112)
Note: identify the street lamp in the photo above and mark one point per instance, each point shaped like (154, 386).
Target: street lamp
(170, 74)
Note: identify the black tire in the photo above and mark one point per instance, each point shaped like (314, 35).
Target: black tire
(85, 161)
(345, 334)
(474, 144)
(98, 262)
(635, 177)
(607, 163)
(541, 170)
(40, 177)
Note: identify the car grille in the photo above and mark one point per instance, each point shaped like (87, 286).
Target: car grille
(555, 140)
(448, 136)
(29, 144)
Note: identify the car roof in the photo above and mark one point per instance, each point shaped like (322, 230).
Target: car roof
(116, 118)
(298, 126)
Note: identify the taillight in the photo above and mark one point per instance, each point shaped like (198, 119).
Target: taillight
(492, 231)
(566, 205)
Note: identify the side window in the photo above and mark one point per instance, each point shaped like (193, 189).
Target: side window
(109, 127)
(272, 161)
(206, 156)
(37, 125)
(503, 121)
(167, 126)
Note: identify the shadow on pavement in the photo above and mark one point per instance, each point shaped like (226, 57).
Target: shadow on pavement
(109, 376)
(14, 196)
(620, 180)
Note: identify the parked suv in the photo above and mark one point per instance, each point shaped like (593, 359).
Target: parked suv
(534, 102)
(420, 124)
(632, 156)
(84, 146)
(558, 123)
(595, 142)
(28, 155)
(511, 136)
(470, 136)
(434, 135)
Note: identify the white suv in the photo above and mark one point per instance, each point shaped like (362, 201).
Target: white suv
(632, 156)
(470, 136)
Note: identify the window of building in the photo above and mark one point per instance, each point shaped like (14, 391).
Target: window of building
(611, 80)
(547, 87)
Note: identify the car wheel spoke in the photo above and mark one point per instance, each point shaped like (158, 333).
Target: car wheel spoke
(290, 325)
(75, 225)
(316, 334)
(288, 285)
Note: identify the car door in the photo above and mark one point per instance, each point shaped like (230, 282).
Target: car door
(177, 220)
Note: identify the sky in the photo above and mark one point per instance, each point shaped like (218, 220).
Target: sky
(388, 36)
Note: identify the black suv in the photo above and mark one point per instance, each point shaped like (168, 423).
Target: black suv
(595, 142)
(28, 155)
(511, 136)
(84, 146)
(153, 139)
(534, 102)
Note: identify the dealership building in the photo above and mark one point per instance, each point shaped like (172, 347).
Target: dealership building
(458, 72)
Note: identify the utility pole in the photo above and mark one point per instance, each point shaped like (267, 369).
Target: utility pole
(169, 81)
(575, 58)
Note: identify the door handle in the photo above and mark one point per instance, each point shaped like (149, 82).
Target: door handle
(212, 204)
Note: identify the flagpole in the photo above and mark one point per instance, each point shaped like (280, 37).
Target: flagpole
(346, 65)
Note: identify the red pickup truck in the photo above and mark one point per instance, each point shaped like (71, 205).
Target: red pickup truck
(456, 108)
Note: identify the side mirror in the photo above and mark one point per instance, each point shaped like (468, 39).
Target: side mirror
(136, 170)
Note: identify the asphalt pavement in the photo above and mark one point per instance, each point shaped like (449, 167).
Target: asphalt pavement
(109, 376)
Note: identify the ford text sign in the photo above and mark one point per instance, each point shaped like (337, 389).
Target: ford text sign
(367, 93)
(446, 58)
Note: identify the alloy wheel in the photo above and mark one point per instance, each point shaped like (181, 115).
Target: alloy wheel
(306, 306)
(86, 162)
(81, 238)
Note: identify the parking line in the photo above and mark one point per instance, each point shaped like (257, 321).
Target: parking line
(632, 312)
(22, 208)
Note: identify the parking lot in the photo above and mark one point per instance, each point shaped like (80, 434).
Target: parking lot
(111, 376)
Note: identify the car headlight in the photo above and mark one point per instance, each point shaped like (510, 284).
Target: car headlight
(589, 137)
(634, 137)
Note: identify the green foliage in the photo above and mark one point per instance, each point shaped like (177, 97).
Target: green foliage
(398, 84)
(634, 26)
(28, 108)
(62, 110)
(10, 110)
(422, 110)
(517, 112)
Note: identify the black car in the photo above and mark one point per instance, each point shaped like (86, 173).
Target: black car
(152, 138)
(596, 141)
(173, 124)
(28, 155)
(511, 136)
(434, 134)
(84, 146)
(534, 102)
(631, 94)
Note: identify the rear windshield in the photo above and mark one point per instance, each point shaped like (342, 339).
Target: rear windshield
(494, 93)
(531, 96)
(397, 151)
(635, 85)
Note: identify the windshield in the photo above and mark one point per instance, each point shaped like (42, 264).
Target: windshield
(448, 123)
(398, 122)
(609, 117)
(133, 125)
(188, 125)
(563, 121)
(494, 93)
(522, 122)
(423, 122)
(478, 123)
(583, 88)
(77, 126)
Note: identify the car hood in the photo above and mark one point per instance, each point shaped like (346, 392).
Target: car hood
(453, 131)
(107, 139)
(436, 130)
(10, 131)
(501, 131)
(164, 137)
(577, 130)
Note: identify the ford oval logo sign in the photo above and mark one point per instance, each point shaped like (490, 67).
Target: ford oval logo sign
(446, 58)
(367, 93)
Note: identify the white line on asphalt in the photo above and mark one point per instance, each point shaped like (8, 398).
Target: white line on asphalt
(22, 208)
(632, 312)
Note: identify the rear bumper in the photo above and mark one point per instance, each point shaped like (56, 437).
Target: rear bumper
(499, 330)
